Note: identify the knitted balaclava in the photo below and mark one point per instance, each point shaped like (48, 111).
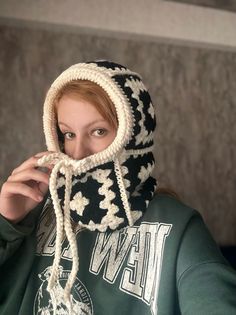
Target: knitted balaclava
(110, 189)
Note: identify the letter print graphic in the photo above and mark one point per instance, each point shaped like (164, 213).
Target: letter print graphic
(81, 300)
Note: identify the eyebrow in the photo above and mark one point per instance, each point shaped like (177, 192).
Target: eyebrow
(88, 125)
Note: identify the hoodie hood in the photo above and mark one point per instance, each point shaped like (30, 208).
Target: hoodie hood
(112, 188)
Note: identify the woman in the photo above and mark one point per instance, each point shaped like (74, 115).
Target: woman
(103, 242)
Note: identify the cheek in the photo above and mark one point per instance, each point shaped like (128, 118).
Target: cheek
(112, 136)
(104, 143)
(67, 148)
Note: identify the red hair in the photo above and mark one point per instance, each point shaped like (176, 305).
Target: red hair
(93, 93)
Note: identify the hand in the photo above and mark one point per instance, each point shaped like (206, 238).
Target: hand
(24, 189)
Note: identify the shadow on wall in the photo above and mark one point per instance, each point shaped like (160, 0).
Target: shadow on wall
(229, 5)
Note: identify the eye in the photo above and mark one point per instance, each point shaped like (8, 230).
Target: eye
(99, 132)
(68, 135)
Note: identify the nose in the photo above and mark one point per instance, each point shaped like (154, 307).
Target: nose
(80, 149)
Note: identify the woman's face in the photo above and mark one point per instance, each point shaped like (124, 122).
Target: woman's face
(84, 129)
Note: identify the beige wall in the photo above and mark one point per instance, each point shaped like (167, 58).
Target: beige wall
(187, 58)
(154, 18)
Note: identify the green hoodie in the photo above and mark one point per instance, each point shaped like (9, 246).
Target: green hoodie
(166, 264)
(137, 254)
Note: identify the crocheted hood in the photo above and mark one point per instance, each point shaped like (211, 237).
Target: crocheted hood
(110, 189)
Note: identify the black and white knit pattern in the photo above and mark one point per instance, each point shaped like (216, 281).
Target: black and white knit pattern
(110, 189)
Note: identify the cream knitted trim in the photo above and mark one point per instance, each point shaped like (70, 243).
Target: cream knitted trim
(115, 93)
(139, 151)
(112, 72)
(124, 198)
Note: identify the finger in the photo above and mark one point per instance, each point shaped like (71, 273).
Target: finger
(46, 170)
(28, 175)
(31, 162)
(40, 154)
(11, 188)
(43, 188)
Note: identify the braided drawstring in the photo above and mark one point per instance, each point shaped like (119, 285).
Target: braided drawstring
(63, 226)
(70, 235)
(59, 227)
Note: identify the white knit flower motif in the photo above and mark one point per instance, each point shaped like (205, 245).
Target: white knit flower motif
(145, 172)
(112, 221)
(79, 203)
